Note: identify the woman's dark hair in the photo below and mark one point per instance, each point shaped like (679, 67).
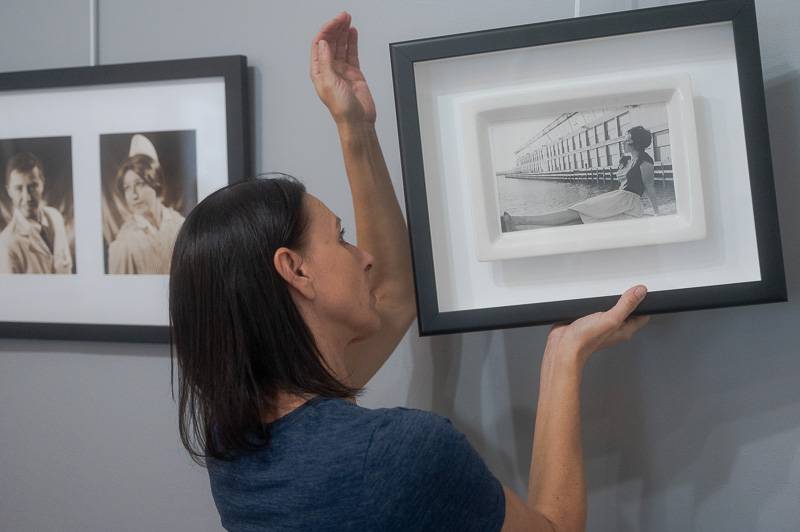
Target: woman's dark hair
(641, 137)
(145, 167)
(237, 335)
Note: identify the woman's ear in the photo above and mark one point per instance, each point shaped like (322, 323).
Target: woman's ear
(289, 265)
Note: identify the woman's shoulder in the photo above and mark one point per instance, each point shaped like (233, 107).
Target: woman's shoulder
(645, 159)
(411, 420)
(407, 435)
(424, 473)
(339, 433)
(341, 424)
(395, 422)
(405, 469)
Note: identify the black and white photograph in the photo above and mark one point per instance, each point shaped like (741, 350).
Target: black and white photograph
(584, 167)
(149, 185)
(37, 212)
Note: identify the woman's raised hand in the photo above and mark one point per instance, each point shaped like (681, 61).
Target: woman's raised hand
(337, 75)
(597, 331)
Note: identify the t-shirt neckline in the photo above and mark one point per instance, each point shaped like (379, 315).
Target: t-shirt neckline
(286, 418)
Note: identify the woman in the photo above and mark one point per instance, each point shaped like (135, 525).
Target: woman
(277, 324)
(144, 242)
(635, 176)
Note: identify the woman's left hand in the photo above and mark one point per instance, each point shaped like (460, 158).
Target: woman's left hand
(598, 331)
(336, 74)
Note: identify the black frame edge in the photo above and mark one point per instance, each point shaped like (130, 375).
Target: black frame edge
(569, 29)
(414, 192)
(759, 156)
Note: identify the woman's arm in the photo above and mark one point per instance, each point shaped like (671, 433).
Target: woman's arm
(648, 179)
(381, 230)
(380, 227)
(556, 484)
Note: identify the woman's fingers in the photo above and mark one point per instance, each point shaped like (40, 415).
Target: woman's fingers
(324, 59)
(631, 325)
(324, 33)
(352, 47)
(331, 31)
(342, 44)
(627, 303)
(637, 322)
(314, 58)
(342, 35)
(625, 332)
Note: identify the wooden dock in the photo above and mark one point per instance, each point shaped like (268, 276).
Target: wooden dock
(662, 175)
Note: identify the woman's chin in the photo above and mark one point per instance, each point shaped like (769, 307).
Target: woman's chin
(371, 325)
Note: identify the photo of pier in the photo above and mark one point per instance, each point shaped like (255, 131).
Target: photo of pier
(584, 167)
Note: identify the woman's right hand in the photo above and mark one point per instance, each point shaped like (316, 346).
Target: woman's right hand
(578, 340)
(336, 73)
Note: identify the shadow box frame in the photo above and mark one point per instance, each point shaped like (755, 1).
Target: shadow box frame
(415, 64)
(231, 123)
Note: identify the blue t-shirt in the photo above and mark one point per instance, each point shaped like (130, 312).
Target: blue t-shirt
(332, 465)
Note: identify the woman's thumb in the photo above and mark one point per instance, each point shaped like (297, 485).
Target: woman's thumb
(628, 302)
(324, 52)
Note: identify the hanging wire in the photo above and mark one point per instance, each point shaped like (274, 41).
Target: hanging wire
(94, 32)
(577, 8)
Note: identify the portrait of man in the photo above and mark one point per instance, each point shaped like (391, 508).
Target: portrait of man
(35, 238)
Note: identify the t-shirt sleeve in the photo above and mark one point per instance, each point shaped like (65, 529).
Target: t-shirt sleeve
(421, 473)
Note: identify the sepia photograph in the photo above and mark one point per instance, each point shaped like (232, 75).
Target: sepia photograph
(108, 161)
(149, 185)
(584, 167)
(37, 212)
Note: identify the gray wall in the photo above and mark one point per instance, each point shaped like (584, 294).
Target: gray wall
(693, 426)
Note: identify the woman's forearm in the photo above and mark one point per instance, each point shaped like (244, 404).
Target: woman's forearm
(381, 230)
(557, 484)
(380, 226)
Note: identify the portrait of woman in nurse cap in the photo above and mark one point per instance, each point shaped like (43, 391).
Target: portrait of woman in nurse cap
(144, 242)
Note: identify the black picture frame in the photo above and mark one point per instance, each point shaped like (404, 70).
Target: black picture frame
(232, 69)
(741, 13)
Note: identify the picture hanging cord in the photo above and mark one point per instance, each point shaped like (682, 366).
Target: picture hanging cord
(94, 32)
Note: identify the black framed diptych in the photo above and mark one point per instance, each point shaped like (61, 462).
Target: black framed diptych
(548, 167)
(101, 165)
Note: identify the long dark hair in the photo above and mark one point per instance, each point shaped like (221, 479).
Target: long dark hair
(235, 330)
